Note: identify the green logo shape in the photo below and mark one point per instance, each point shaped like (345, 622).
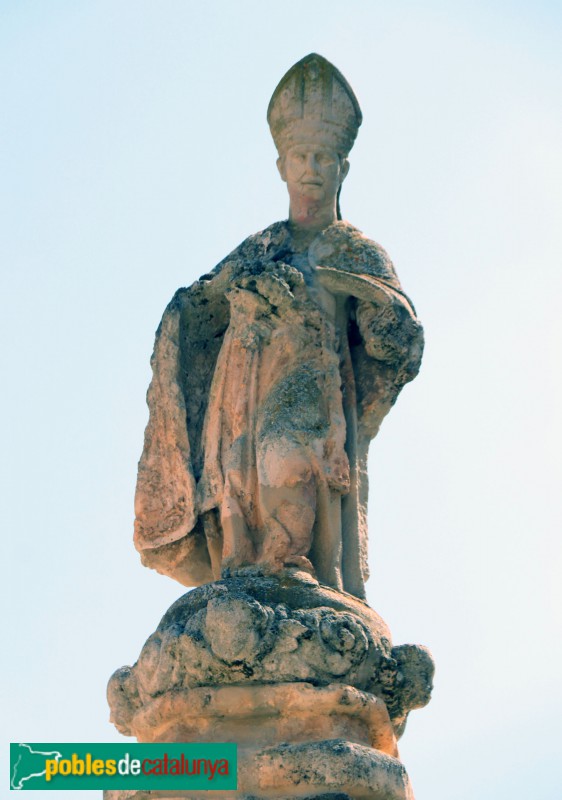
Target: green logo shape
(123, 766)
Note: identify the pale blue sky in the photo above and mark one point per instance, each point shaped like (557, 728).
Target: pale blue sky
(134, 154)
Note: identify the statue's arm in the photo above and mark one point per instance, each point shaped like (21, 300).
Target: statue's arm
(392, 334)
(385, 318)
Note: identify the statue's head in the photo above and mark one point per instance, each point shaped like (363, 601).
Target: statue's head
(314, 117)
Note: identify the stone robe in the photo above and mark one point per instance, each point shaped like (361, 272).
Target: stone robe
(270, 377)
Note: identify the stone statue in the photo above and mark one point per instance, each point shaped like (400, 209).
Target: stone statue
(272, 374)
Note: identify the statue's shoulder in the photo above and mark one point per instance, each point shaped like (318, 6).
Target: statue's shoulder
(345, 247)
(265, 244)
(187, 302)
(205, 299)
(173, 311)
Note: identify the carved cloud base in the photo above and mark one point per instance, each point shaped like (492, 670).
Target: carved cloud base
(303, 678)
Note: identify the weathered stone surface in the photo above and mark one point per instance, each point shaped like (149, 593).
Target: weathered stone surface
(307, 770)
(411, 684)
(253, 630)
(268, 714)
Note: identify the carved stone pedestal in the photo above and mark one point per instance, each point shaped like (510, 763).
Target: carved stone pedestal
(326, 770)
(303, 678)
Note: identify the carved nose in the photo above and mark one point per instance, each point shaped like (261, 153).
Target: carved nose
(311, 167)
(311, 163)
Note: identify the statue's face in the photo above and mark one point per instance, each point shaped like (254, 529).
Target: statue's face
(312, 172)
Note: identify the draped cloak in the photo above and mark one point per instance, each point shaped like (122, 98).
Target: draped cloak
(210, 341)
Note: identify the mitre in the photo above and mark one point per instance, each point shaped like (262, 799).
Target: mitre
(313, 102)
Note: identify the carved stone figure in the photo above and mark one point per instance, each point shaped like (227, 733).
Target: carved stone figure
(272, 374)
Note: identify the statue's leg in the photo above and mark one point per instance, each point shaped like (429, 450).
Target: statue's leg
(238, 545)
(326, 551)
(287, 503)
(213, 535)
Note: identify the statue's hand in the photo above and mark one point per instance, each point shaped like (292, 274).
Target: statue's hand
(278, 283)
(391, 334)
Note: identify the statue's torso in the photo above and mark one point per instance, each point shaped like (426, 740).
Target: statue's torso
(278, 379)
